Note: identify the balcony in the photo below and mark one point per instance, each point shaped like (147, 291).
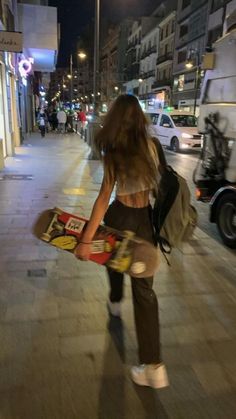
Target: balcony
(148, 52)
(166, 57)
(147, 74)
(132, 45)
(162, 83)
(40, 35)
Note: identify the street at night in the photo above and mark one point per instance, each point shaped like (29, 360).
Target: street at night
(117, 209)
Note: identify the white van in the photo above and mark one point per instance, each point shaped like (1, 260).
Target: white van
(175, 129)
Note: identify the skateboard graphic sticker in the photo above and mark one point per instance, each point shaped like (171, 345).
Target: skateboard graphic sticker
(121, 251)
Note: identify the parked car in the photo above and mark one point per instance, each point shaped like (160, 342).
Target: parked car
(175, 129)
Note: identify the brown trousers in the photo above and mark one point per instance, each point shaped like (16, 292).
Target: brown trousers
(145, 302)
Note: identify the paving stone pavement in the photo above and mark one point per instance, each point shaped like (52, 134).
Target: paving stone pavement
(61, 357)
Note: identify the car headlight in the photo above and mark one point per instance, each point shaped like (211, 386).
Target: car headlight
(186, 135)
(184, 145)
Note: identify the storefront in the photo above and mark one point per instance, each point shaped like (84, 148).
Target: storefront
(12, 100)
(26, 97)
(2, 113)
(10, 44)
(154, 101)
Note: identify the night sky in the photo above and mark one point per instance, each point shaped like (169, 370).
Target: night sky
(75, 15)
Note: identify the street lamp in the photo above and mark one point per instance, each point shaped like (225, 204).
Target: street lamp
(194, 60)
(70, 76)
(96, 55)
(82, 55)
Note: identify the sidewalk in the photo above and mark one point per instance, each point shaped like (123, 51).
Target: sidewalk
(61, 357)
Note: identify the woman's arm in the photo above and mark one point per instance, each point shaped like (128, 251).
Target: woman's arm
(100, 206)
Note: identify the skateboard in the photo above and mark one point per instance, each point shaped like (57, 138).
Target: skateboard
(121, 251)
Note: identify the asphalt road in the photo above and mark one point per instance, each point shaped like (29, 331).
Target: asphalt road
(184, 163)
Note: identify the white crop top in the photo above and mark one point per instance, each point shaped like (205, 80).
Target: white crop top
(131, 186)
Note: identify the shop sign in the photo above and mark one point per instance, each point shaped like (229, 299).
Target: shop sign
(11, 41)
(25, 67)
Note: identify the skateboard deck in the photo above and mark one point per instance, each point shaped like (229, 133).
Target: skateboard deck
(121, 251)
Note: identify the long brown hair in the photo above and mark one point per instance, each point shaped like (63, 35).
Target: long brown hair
(123, 142)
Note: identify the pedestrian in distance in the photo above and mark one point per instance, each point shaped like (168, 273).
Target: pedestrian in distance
(53, 120)
(131, 166)
(42, 122)
(82, 119)
(62, 119)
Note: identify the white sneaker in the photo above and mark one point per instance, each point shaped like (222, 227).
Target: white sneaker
(150, 375)
(114, 308)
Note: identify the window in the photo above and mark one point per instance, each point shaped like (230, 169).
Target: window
(153, 117)
(183, 30)
(185, 3)
(167, 30)
(172, 26)
(184, 120)
(182, 56)
(165, 120)
(214, 34)
(216, 4)
(180, 85)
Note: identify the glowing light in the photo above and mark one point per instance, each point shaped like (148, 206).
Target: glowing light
(189, 64)
(25, 67)
(198, 194)
(82, 55)
(186, 135)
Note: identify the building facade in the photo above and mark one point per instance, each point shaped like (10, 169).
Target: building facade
(219, 10)
(141, 57)
(38, 23)
(63, 89)
(162, 85)
(190, 41)
(148, 58)
(132, 61)
(109, 77)
(9, 109)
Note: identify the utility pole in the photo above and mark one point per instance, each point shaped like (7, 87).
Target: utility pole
(96, 56)
(94, 125)
(71, 80)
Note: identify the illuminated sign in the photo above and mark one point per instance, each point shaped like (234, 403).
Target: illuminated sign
(25, 67)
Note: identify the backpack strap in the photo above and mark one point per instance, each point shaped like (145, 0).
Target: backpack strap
(164, 246)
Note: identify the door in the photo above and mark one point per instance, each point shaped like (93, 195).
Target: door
(2, 115)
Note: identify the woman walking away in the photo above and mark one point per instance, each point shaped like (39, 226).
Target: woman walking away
(42, 121)
(131, 166)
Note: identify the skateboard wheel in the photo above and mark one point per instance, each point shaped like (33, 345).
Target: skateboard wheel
(137, 268)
